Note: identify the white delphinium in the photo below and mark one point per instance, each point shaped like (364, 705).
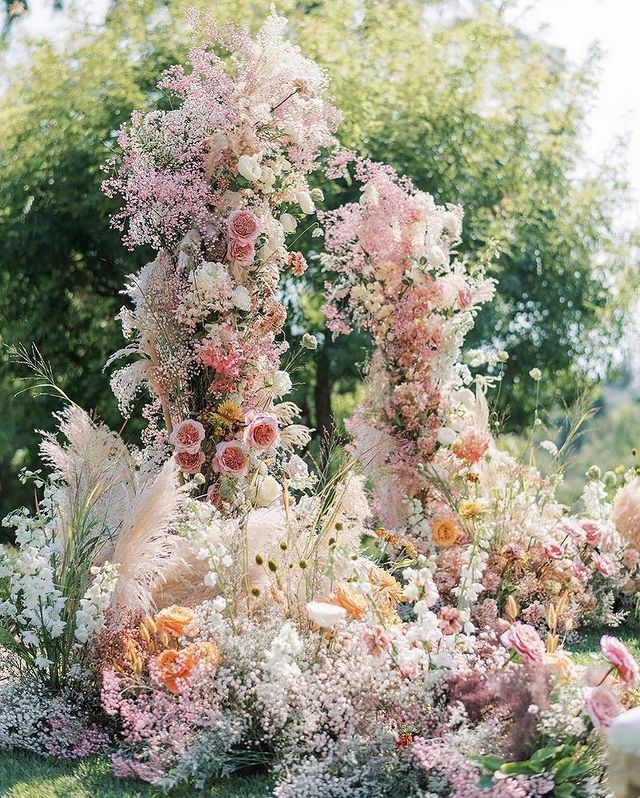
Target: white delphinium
(280, 657)
(207, 531)
(421, 589)
(90, 616)
(469, 588)
(594, 498)
(417, 523)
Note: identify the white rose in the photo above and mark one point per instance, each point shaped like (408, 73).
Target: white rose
(309, 341)
(241, 298)
(305, 202)
(446, 436)
(288, 222)
(296, 468)
(436, 257)
(452, 223)
(281, 383)
(249, 167)
(325, 615)
(267, 491)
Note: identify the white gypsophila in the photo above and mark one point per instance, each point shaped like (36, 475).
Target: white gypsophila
(90, 616)
(280, 658)
(211, 622)
(594, 498)
(565, 718)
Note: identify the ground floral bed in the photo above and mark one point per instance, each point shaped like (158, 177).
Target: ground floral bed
(211, 603)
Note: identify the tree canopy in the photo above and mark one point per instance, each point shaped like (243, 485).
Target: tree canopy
(469, 107)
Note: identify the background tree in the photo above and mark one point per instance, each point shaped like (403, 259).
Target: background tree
(469, 107)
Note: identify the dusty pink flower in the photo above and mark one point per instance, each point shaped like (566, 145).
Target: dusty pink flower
(553, 550)
(465, 298)
(449, 618)
(187, 436)
(593, 532)
(377, 640)
(243, 227)
(605, 564)
(230, 458)
(261, 431)
(526, 641)
(190, 462)
(241, 253)
(618, 655)
(602, 706)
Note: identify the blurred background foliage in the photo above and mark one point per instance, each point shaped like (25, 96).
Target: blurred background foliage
(469, 107)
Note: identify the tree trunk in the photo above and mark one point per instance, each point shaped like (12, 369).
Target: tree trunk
(323, 389)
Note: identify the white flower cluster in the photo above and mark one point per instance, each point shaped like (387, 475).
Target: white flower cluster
(420, 588)
(594, 498)
(286, 646)
(35, 604)
(90, 616)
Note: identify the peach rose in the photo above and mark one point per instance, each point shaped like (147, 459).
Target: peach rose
(171, 665)
(526, 641)
(444, 532)
(354, 603)
(187, 436)
(243, 254)
(174, 620)
(243, 227)
(618, 655)
(230, 458)
(188, 462)
(261, 431)
(207, 652)
(602, 706)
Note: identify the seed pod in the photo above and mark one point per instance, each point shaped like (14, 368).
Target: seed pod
(511, 608)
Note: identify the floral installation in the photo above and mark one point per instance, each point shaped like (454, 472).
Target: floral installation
(206, 604)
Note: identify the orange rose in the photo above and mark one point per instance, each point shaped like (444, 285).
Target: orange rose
(173, 620)
(204, 652)
(444, 532)
(172, 665)
(349, 600)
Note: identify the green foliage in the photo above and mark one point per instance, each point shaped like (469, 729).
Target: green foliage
(469, 107)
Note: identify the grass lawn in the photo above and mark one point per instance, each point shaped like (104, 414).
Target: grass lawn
(28, 776)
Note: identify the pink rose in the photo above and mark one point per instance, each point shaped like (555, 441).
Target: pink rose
(526, 641)
(241, 253)
(580, 570)
(605, 564)
(243, 227)
(553, 550)
(465, 297)
(261, 431)
(631, 558)
(572, 528)
(619, 656)
(602, 706)
(189, 462)
(230, 458)
(592, 531)
(187, 436)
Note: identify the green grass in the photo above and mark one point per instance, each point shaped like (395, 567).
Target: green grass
(27, 776)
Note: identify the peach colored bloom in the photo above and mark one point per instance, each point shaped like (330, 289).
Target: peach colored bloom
(188, 462)
(243, 254)
(354, 603)
(172, 665)
(377, 640)
(444, 532)
(187, 436)
(230, 458)
(471, 445)
(261, 431)
(243, 227)
(174, 620)
(449, 618)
